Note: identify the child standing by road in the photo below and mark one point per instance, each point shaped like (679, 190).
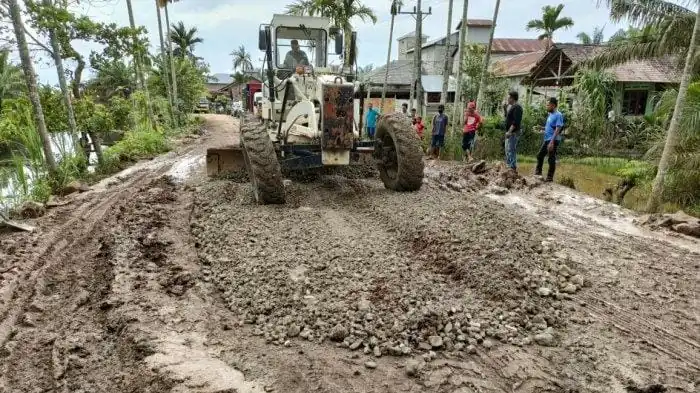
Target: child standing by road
(472, 121)
(419, 126)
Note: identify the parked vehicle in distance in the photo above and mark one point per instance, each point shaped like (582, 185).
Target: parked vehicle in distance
(202, 106)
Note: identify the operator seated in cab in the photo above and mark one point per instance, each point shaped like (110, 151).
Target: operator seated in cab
(295, 57)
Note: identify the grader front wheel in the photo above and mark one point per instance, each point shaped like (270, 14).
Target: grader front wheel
(261, 164)
(399, 153)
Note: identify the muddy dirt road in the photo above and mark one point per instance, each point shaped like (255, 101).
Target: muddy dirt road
(161, 280)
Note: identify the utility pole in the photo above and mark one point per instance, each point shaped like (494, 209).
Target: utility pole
(394, 10)
(416, 84)
(460, 54)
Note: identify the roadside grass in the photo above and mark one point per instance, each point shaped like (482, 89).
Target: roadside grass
(592, 175)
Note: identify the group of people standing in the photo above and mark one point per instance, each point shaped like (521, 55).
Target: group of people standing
(513, 116)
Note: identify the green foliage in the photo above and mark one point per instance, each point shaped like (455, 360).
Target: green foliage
(184, 40)
(550, 22)
(567, 181)
(54, 109)
(472, 66)
(140, 143)
(92, 117)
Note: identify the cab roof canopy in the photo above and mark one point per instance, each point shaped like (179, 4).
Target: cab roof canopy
(311, 22)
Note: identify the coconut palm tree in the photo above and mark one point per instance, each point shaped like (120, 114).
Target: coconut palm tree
(487, 59)
(242, 59)
(341, 13)
(395, 5)
(673, 136)
(15, 13)
(550, 23)
(596, 38)
(11, 81)
(184, 39)
(658, 28)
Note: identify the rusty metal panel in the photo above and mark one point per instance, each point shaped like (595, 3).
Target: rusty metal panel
(337, 116)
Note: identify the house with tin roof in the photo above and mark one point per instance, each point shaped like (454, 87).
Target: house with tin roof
(544, 73)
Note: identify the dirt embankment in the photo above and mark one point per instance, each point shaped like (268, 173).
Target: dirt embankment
(162, 285)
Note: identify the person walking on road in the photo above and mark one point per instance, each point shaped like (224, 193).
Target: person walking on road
(439, 128)
(514, 117)
(371, 120)
(472, 121)
(552, 139)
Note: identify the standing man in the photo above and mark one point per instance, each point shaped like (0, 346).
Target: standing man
(371, 120)
(514, 117)
(552, 139)
(472, 121)
(413, 114)
(439, 129)
(404, 110)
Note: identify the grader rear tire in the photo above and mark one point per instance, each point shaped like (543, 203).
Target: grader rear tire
(261, 163)
(400, 157)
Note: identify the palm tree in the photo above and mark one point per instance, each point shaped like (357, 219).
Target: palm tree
(659, 28)
(673, 134)
(550, 23)
(341, 13)
(242, 59)
(168, 88)
(395, 5)
(460, 51)
(487, 59)
(11, 81)
(15, 12)
(446, 70)
(184, 39)
(596, 38)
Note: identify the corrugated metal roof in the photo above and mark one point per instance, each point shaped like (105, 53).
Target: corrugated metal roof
(410, 34)
(517, 45)
(664, 70)
(219, 79)
(650, 71)
(476, 23)
(400, 73)
(517, 65)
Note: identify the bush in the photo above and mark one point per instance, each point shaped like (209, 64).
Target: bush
(138, 144)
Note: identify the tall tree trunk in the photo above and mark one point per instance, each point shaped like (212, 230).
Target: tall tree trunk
(30, 78)
(172, 66)
(165, 76)
(348, 41)
(394, 10)
(60, 71)
(138, 64)
(487, 59)
(460, 53)
(447, 69)
(672, 136)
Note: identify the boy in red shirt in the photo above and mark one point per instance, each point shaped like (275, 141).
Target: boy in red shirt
(418, 124)
(472, 121)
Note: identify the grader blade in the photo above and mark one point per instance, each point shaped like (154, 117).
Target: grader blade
(224, 160)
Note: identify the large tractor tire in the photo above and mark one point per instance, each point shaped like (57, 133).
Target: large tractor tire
(261, 163)
(399, 153)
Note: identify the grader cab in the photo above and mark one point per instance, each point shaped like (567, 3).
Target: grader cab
(306, 116)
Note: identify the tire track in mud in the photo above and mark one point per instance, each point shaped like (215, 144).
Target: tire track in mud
(47, 305)
(57, 249)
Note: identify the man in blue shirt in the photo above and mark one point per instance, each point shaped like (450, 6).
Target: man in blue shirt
(371, 118)
(439, 129)
(552, 139)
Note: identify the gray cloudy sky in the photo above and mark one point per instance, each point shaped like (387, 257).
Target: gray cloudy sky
(226, 24)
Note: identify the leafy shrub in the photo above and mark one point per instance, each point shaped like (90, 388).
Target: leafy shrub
(138, 144)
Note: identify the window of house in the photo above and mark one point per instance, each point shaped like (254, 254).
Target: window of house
(433, 98)
(634, 102)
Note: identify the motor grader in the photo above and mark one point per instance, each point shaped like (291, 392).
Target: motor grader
(307, 118)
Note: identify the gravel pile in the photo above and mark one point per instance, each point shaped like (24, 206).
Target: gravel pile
(380, 272)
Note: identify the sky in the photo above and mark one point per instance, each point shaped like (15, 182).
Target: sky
(224, 25)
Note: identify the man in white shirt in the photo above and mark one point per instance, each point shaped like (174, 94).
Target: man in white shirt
(295, 57)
